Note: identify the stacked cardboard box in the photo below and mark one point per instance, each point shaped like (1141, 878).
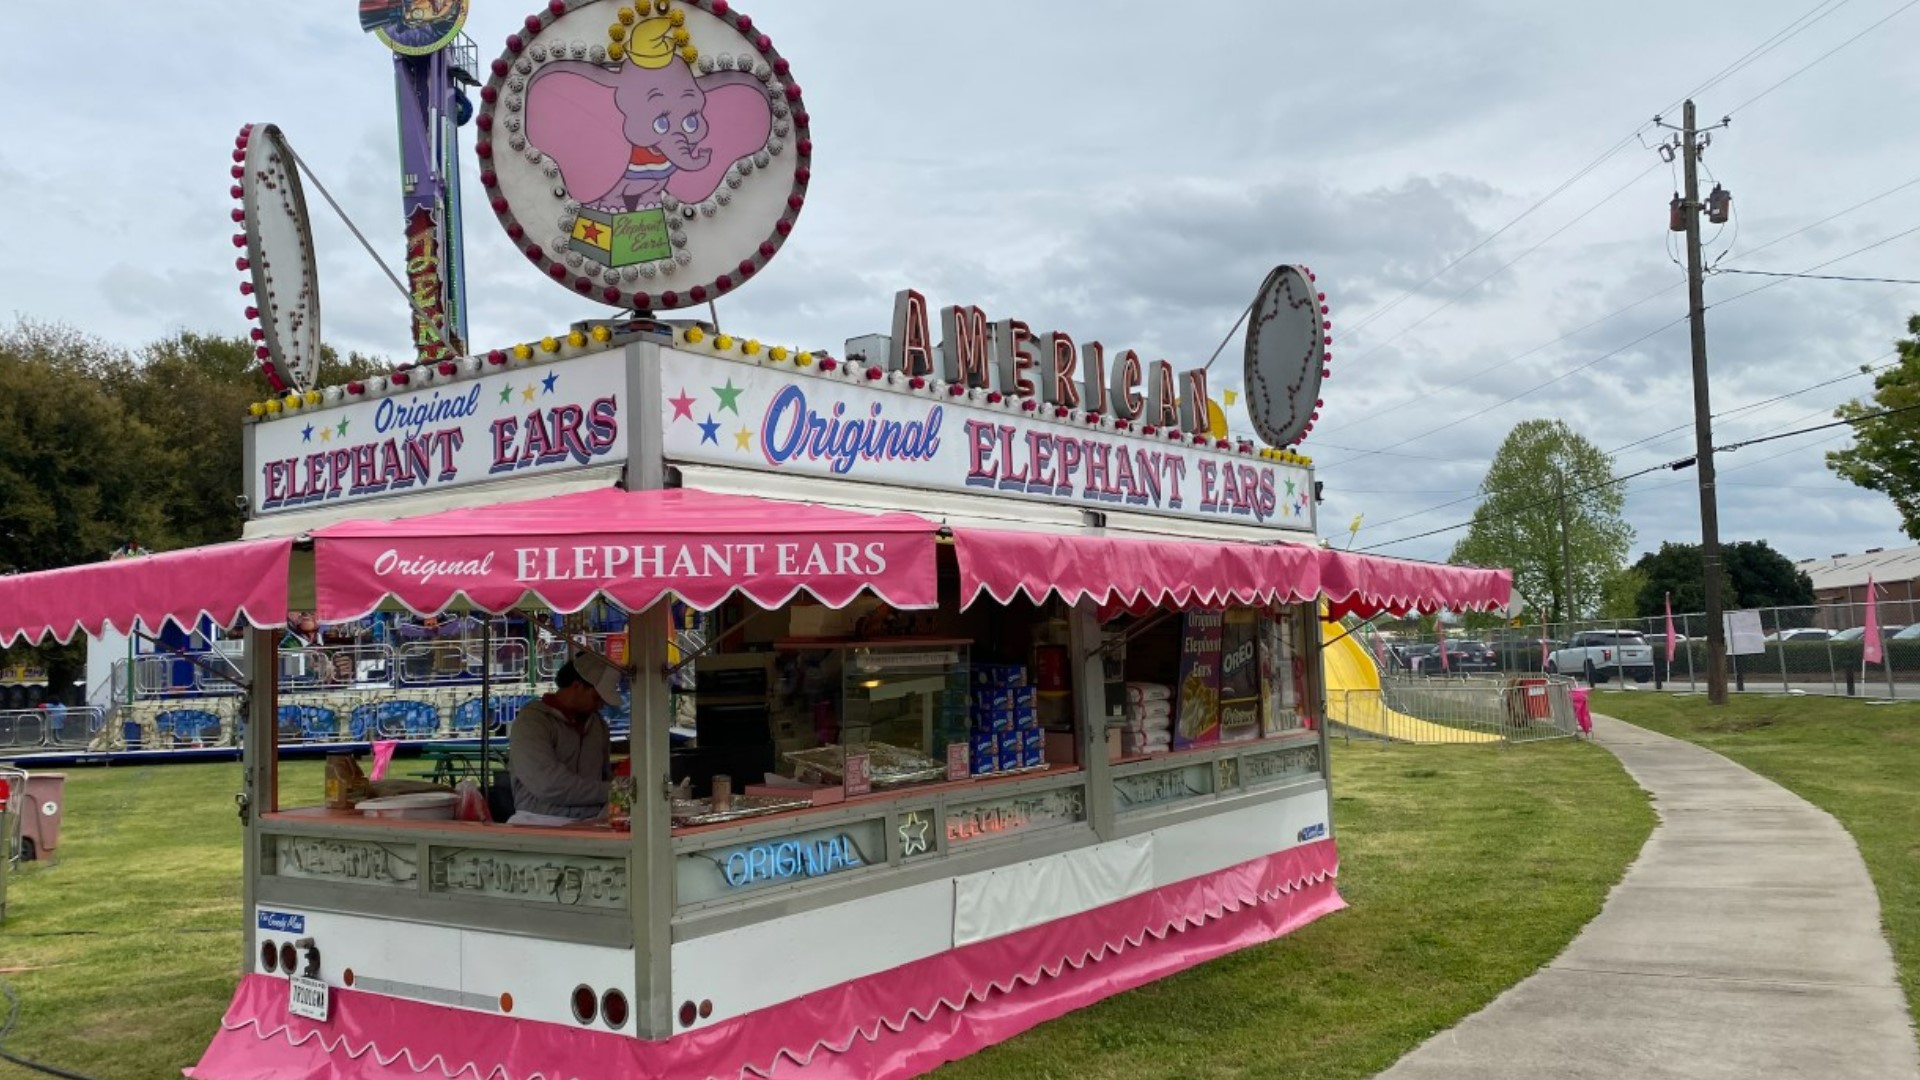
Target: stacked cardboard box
(1007, 736)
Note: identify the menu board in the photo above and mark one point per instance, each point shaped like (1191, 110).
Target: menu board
(1240, 676)
(1197, 713)
(1279, 710)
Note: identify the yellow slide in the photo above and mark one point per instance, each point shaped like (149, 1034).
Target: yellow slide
(1354, 697)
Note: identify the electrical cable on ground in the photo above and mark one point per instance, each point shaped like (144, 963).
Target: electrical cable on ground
(13, 1014)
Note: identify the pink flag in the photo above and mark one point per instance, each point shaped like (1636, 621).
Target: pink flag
(1671, 640)
(1872, 636)
(1543, 639)
(382, 757)
(1441, 629)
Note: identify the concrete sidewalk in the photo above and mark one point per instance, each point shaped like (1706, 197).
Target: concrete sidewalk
(1744, 942)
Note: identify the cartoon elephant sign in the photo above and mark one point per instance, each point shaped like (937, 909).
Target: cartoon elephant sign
(624, 136)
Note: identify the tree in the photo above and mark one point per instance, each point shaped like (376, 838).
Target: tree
(1620, 593)
(1518, 521)
(1885, 455)
(1753, 575)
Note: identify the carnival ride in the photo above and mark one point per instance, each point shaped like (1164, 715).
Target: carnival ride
(1357, 699)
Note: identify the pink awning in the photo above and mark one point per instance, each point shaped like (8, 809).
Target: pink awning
(1124, 572)
(226, 583)
(1132, 574)
(633, 547)
(1367, 585)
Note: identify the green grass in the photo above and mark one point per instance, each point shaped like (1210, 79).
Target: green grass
(1467, 868)
(1858, 762)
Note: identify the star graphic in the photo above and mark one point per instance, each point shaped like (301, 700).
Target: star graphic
(729, 397)
(710, 431)
(307, 435)
(528, 392)
(590, 232)
(506, 394)
(547, 384)
(1289, 489)
(743, 439)
(324, 433)
(913, 833)
(682, 405)
(342, 432)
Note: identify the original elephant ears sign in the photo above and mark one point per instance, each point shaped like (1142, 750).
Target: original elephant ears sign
(653, 155)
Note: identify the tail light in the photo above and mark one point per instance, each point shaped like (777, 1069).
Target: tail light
(613, 1009)
(269, 957)
(586, 1004)
(1606, 654)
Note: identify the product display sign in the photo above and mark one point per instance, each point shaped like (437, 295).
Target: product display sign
(1240, 675)
(352, 862)
(1196, 713)
(990, 818)
(520, 422)
(859, 775)
(784, 419)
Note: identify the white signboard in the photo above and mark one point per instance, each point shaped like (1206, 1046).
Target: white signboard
(1744, 637)
(542, 418)
(717, 411)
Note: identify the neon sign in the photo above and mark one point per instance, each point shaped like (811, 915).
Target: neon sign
(785, 860)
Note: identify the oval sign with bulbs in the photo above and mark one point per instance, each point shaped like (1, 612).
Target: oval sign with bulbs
(1286, 356)
(651, 155)
(280, 284)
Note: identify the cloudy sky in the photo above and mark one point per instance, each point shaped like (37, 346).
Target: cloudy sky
(1127, 172)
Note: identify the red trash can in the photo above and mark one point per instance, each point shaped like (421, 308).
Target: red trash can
(46, 801)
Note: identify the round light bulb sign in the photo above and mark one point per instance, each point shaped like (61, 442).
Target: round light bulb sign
(649, 155)
(281, 282)
(1285, 356)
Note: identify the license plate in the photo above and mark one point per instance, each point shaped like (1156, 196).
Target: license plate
(307, 997)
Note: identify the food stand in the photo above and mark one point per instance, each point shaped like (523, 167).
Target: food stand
(1014, 700)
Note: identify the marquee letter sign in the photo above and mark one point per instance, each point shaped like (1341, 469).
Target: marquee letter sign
(653, 155)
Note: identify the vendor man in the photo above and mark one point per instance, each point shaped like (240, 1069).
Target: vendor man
(560, 753)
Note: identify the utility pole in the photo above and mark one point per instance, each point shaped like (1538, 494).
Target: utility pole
(1703, 418)
(1566, 541)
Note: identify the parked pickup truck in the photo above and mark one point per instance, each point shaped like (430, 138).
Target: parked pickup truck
(1598, 655)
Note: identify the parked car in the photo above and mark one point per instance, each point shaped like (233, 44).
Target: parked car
(1462, 657)
(1804, 633)
(1411, 656)
(1908, 634)
(1857, 632)
(1598, 655)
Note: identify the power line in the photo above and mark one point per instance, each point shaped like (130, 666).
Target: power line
(1778, 38)
(1504, 267)
(1869, 368)
(1818, 277)
(1674, 465)
(1797, 72)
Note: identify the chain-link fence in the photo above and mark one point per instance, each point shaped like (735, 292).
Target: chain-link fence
(1465, 710)
(1817, 649)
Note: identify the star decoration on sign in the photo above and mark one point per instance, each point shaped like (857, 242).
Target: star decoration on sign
(743, 439)
(528, 392)
(307, 435)
(506, 394)
(710, 431)
(547, 384)
(1289, 489)
(590, 232)
(682, 405)
(324, 433)
(913, 833)
(342, 431)
(729, 396)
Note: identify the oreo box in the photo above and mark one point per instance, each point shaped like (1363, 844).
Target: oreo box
(1011, 762)
(1010, 745)
(1033, 748)
(988, 720)
(1005, 697)
(995, 676)
(983, 754)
